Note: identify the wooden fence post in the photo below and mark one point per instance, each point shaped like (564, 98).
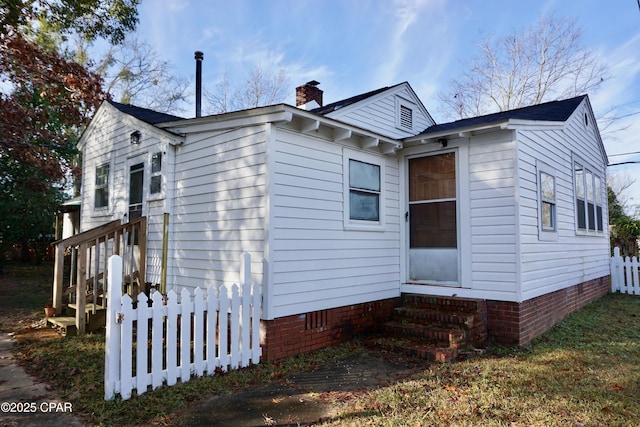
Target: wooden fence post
(113, 333)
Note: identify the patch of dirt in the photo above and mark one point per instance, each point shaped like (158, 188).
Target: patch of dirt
(37, 331)
(24, 291)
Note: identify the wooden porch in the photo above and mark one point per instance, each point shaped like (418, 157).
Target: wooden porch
(81, 267)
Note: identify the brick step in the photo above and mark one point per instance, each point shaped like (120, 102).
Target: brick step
(444, 304)
(414, 348)
(446, 319)
(446, 337)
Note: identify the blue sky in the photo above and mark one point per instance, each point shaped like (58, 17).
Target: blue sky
(354, 46)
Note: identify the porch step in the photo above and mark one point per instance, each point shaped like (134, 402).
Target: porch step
(88, 308)
(434, 327)
(414, 348)
(444, 304)
(421, 315)
(94, 321)
(430, 333)
(68, 324)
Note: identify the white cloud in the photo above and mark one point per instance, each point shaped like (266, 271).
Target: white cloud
(407, 13)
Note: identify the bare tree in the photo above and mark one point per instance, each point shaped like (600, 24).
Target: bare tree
(543, 63)
(263, 86)
(134, 73)
(619, 182)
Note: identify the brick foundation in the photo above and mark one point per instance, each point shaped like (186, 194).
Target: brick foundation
(302, 333)
(507, 323)
(516, 324)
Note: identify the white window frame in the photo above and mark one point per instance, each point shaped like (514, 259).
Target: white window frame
(598, 193)
(159, 173)
(107, 185)
(400, 103)
(547, 233)
(356, 224)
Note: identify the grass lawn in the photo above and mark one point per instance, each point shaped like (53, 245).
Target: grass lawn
(584, 372)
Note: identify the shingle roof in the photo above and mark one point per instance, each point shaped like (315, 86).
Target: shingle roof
(554, 111)
(345, 102)
(145, 114)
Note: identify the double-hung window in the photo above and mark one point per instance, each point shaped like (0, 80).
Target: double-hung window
(363, 190)
(101, 195)
(156, 173)
(548, 201)
(589, 199)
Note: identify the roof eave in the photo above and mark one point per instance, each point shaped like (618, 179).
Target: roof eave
(458, 132)
(282, 114)
(342, 130)
(466, 131)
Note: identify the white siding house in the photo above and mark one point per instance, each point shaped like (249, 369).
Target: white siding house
(360, 200)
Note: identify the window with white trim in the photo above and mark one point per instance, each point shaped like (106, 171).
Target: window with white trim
(101, 192)
(363, 190)
(547, 201)
(589, 199)
(155, 183)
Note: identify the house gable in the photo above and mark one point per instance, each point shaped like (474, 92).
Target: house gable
(135, 118)
(395, 111)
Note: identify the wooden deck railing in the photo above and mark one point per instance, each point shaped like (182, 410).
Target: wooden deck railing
(87, 254)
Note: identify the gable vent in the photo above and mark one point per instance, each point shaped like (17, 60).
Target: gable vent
(406, 117)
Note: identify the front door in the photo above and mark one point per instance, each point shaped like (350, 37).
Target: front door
(136, 191)
(433, 234)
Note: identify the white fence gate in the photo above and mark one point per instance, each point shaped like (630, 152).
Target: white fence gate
(166, 339)
(624, 274)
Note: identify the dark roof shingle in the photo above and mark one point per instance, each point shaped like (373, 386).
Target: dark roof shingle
(145, 114)
(554, 111)
(346, 102)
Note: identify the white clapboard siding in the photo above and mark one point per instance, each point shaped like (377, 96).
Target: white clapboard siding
(492, 208)
(219, 329)
(316, 263)
(220, 204)
(569, 258)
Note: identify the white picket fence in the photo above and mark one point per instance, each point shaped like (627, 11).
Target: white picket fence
(194, 333)
(624, 274)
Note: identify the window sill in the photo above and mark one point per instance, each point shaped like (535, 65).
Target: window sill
(589, 233)
(364, 226)
(548, 235)
(98, 213)
(156, 197)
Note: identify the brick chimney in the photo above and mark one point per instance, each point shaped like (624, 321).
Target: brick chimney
(309, 96)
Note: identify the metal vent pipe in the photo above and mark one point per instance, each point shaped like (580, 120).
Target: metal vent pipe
(199, 56)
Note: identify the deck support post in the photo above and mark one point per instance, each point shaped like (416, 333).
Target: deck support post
(58, 278)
